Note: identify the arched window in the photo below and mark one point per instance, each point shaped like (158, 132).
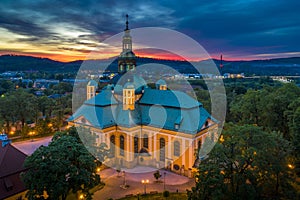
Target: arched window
(206, 124)
(145, 141)
(121, 145)
(136, 145)
(176, 148)
(112, 145)
(162, 152)
(199, 146)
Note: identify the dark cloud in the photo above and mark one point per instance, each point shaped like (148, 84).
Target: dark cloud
(234, 26)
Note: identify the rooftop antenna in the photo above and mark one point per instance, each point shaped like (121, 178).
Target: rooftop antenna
(221, 64)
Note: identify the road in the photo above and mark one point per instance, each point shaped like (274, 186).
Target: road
(29, 146)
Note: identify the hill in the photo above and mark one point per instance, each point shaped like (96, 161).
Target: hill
(278, 66)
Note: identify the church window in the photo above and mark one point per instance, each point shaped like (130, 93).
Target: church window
(112, 145)
(162, 151)
(176, 148)
(121, 145)
(145, 141)
(136, 145)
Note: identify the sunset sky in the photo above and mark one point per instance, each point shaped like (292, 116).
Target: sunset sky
(68, 30)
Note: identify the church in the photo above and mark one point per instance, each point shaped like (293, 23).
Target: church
(144, 126)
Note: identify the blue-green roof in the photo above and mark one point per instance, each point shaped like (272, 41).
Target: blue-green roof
(161, 82)
(168, 98)
(157, 108)
(92, 83)
(129, 85)
(132, 81)
(104, 98)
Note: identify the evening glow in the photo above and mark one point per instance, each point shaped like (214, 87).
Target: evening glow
(70, 31)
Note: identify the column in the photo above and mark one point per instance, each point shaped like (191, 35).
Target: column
(149, 142)
(169, 147)
(191, 156)
(130, 147)
(127, 142)
(154, 146)
(183, 152)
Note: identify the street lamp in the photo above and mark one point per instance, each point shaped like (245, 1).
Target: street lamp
(81, 196)
(124, 179)
(31, 133)
(145, 182)
(165, 180)
(290, 166)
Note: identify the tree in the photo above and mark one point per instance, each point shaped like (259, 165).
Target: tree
(62, 167)
(7, 112)
(157, 175)
(166, 194)
(23, 105)
(247, 163)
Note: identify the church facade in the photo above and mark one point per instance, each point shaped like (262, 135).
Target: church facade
(155, 127)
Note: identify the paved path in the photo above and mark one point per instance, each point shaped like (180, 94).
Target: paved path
(112, 182)
(133, 177)
(29, 146)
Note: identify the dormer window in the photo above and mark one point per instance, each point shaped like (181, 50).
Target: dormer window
(178, 122)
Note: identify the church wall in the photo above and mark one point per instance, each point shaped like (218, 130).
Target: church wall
(185, 160)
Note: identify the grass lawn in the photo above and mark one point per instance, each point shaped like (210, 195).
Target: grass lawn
(159, 196)
(73, 196)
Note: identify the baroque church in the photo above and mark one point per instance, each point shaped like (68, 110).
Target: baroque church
(155, 127)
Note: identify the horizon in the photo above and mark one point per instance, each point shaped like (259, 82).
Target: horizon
(155, 58)
(238, 30)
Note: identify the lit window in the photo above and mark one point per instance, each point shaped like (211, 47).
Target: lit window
(145, 141)
(176, 148)
(112, 146)
(136, 145)
(162, 152)
(121, 145)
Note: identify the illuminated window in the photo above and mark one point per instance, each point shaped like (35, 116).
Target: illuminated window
(136, 146)
(121, 145)
(112, 145)
(145, 141)
(176, 148)
(162, 153)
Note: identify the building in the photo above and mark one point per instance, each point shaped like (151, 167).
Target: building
(44, 84)
(154, 127)
(11, 166)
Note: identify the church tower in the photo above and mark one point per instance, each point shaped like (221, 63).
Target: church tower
(91, 89)
(128, 96)
(126, 60)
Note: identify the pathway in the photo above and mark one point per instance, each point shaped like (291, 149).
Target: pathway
(112, 182)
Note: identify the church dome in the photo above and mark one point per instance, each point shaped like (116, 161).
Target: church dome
(161, 85)
(129, 85)
(92, 83)
(161, 82)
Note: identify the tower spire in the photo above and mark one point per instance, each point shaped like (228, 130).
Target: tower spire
(126, 23)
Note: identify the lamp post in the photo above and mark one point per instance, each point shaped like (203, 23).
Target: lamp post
(31, 133)
(124, 179)
(145, 182)
(165, 180)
